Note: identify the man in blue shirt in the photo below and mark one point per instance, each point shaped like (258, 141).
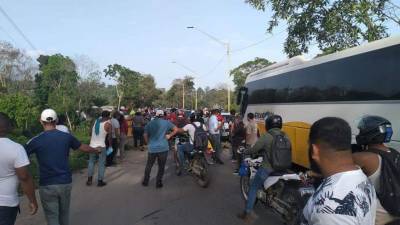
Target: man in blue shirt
(155, 134)
(215, 137)
(52, 151)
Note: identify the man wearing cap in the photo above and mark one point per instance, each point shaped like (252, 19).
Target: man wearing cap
(155, 134)
(52, 150)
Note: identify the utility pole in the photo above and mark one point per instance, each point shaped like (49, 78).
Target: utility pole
(183, 94)
(228, 55)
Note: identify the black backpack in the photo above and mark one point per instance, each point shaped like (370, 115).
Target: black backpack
(200, 140)
(281, 152)
(389, 183)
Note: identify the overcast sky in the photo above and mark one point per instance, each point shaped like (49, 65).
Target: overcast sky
(148, 35)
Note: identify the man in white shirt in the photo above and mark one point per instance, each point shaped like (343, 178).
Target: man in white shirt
(346, 196)
(215, 137)
(13, 169)
(188, 147)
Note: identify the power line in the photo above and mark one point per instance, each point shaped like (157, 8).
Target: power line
(8, 35)
(258, 42)
(17, 28)
(215, 66)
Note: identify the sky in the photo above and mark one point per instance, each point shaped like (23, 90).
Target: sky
(148, 35)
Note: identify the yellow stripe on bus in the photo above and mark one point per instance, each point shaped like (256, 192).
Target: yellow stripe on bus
(298, 133)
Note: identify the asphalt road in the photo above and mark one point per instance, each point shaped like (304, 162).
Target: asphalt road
(124, 201)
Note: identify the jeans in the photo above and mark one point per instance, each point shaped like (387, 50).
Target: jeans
(55, 201)
(114, 145)
(8, 215)
(138, 136)
(216, 144)
(257, 183)
(161, 161)
(182, 148)
(102, 163)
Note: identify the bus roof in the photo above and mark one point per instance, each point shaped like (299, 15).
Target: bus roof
(299, 62)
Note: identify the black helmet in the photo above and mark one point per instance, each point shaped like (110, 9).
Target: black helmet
(374, 130)
(273, 121)
(195, 117)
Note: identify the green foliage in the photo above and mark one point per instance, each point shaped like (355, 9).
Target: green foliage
(241, 72)
(133, 88)
(180, 87)
(334, 25)
(20, 108)
(56, 84)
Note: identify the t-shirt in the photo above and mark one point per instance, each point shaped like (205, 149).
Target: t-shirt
(213, 124)
(251, 133)
(346, 198)
(62, 128)
(52, 151)
(156, 131)
(191, 129)
(12, 156)
(115, 125)
(138, 121)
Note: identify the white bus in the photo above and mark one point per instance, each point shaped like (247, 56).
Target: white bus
(363, 80)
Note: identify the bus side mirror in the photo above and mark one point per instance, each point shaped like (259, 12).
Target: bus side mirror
(240, 95)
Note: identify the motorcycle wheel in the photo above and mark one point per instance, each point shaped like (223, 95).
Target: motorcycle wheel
(297, 202)
(204, 178)
(245, 186)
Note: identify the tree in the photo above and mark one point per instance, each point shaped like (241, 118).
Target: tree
(333, 25)
(56, 84)
(127, 82)
(16, 69)
(148, 90)
(20, 108)
(181, 89)
(241, 72)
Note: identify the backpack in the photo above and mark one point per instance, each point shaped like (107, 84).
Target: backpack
(281, 152)
(200, 139)
(389, 183)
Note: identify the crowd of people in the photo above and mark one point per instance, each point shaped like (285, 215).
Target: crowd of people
(351, 192)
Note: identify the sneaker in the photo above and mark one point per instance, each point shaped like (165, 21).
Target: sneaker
(236, 172)
(178, 172)
(89, 182)
(247, 217)
(145, 183)
(220, 162)
(101, 183)
(159, 185)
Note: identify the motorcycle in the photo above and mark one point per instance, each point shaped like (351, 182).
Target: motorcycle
(286, 193)
(197, 164)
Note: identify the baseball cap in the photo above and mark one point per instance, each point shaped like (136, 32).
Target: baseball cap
(48, 115)
(160, 113)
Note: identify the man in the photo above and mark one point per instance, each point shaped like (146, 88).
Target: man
(155, 134)
(115, 137)
(345, 196)
(251, 130)
(188, 146)
(13, 168)
(52, 149)
(273, 126)
(215, 137)
(99, 136)
(232, 123)
(138, 129)
(375, 131)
